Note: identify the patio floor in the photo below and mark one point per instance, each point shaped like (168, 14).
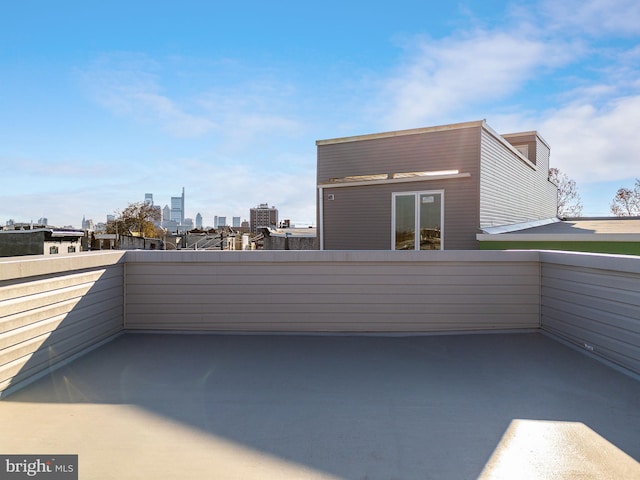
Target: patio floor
(493, 406)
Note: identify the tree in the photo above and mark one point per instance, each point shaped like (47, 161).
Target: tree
(626, 203)
(139, 217)
(569, 201)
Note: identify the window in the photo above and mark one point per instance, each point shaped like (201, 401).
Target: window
(53, 250)
(71, 249)
(417, 220)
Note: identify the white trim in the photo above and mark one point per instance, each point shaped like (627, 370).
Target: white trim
(321, 218)
(508, 146)
(514, 227)
(558, 237)
(416, 219)
(395, 180)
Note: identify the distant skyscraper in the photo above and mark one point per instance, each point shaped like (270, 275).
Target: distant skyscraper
(222, 222)
(236, 222)
(198, 221)
(148, 198)
(86, 224)
(177, 208)
(262, 216)
(166, 213)
(43, 221)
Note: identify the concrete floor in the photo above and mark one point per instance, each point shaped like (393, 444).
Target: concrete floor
(317, 407)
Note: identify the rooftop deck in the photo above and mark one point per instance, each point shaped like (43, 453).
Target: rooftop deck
(557, 397)
(349, 407)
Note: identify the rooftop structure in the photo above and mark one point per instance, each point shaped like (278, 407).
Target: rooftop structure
(429, 188)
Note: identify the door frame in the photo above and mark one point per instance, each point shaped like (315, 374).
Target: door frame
(416, 194)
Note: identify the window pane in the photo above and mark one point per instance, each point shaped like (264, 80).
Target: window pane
(430, 208)
(405, 222)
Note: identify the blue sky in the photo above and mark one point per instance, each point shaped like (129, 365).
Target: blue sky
(103, 102)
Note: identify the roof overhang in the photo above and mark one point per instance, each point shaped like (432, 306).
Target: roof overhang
(401, 177)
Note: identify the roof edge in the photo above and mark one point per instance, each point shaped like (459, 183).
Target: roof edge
(532, 132)
(559, 237)
(514, 227)
(399, 133)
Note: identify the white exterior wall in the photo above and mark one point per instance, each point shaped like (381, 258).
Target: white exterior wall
(513, 190)
(593, 301)
(55, 307)
(332, 291)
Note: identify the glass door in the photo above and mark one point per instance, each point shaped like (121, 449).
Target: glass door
(417, 220)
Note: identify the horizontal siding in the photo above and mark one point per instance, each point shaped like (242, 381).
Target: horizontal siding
(359, 218)
(372, 294)
(594, 305)
(510, 190)
(52, 316)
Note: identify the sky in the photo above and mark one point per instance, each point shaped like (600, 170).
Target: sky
(102, 102)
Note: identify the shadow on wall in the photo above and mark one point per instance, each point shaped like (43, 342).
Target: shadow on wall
(48, 318)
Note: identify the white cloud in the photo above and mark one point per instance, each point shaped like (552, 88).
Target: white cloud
(595, 17)
(127, 86)
(595, 144)
(447, 76)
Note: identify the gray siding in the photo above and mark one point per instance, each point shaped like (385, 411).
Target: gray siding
(512, 191)
(593, 301)
(65, 308)
(332, 291)
(360, 217)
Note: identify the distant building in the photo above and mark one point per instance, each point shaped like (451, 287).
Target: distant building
(40, 241)
(177, 209)
(236, 222)
(148, 198)
(262, 216)
(198, 221)
(43, 221)
(87, 224)
(166, 214)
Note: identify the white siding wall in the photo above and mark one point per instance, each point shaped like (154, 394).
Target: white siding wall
(332, 291)
(54, 308)
(593, 301)
(512, 191)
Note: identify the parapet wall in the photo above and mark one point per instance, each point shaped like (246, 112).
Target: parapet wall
(55, 308)
(332, 291)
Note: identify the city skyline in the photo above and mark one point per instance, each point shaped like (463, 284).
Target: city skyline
(228, 100)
